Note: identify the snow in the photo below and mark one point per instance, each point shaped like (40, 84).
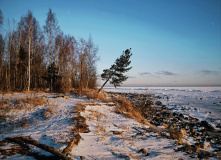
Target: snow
(101, 142)
(54, 131)
(106, 145)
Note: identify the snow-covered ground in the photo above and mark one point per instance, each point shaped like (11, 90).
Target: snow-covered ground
(54, 129)
(111, 135)
(103, 143)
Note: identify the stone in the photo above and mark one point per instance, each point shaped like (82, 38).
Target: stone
(158, 103)
(187, 127)
(218, 125)
(192, 130)
(183, 108)
(159, 115)
(194, 119)
(117, 132)
(206, 125)
(202, 145)
(163, 107)
(186, 148)
(144, 151)
(204, 154)
(148, 103)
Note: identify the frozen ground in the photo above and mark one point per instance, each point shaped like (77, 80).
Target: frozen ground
(111, 135)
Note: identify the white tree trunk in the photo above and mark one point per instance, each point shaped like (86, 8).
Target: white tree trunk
(29, 58)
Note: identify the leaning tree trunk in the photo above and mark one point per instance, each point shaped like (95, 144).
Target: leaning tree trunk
(105, 83)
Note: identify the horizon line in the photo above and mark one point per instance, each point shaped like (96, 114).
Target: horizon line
(165, 86)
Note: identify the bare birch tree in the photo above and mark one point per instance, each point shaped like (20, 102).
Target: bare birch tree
(51, 29)
(91, 59)
(28, 21)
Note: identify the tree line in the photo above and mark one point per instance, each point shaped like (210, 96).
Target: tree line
(32, 57)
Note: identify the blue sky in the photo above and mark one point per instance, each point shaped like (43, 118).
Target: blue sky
(174, 42)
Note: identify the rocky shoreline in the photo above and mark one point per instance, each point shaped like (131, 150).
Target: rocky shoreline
(199, 139)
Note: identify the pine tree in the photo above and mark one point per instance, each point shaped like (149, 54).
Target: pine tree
(115, 73)
(53, 77)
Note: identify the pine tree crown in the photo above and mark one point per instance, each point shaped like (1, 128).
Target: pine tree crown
(119, 67)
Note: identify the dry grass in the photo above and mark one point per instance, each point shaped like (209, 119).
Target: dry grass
(5, 102)
(36, 101)
(80, 128)
(101, 96)
(24, 123)
(47, 113)
(98, 117)
(95, 115)
(83, 92)
(176, 134)
(79, 121)
(100, 129)
(125, 107)
(124, 127)
(134, 156)
(33, 91)
(50, 110)
(5, 107)
(79, 108)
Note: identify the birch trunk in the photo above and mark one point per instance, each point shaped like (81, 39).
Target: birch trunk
(29, 56)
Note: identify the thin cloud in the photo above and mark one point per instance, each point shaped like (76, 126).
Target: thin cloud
(167, 73)
(208, 72)
(98, 76)
(131, 77)
(145, 73)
